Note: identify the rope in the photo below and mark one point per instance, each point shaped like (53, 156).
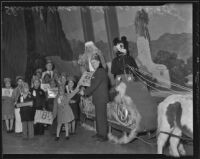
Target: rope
(152, 82)
(173, 84)
(148, 81)
(180, 137)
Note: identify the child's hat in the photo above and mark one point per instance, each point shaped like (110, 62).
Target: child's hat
(71, 78)
(19, 77)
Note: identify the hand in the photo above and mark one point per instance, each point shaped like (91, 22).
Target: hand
(72, 101)
(81, 92)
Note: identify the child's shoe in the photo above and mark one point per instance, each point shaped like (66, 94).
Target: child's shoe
(57, 138)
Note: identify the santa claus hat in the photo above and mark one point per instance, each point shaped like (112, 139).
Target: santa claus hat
(89, 43)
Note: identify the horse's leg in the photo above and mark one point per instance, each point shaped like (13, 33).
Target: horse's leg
(174, 141)
(161, 140)
(181, 149)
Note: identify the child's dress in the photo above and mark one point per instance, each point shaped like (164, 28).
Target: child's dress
(62, 110)
(8, 106)
(18, 123)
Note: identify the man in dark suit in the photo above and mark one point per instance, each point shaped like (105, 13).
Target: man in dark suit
(100, 97)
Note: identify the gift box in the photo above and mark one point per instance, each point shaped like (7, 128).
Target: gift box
(45, 87)
(86, 79)
(44, 117)
(52, 92)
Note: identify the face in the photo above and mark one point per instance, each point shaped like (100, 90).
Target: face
(71, 84)
(7, 84)
(36, 83)
(20, 82)
(61, 92)
(63, 79)
(49, 66)
(26, 90)
(95, 64)
(39, 74)
(52, 84)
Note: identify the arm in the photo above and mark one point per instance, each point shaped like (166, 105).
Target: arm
(95, 83)
(71, 95)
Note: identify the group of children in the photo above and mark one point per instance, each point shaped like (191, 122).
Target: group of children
(19, 105)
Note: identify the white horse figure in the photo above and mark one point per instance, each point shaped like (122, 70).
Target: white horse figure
(175, 116)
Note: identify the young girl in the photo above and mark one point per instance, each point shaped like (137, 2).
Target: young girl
(74, 102)
(63, 111)
(8, 106)
(39, 99)
(16, 93)
(27, 113)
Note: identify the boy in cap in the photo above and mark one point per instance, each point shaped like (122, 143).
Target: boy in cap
(27, 112)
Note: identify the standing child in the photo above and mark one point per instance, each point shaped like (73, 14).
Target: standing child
(39, 99)
(16, 93)
(27, 113)
(63, 111)
(74, 102)
(8, 106)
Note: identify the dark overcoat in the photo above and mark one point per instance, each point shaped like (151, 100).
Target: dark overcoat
(39, 98)
(27, 113)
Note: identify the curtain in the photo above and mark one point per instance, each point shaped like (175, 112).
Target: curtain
(28, 36)
(14, 45)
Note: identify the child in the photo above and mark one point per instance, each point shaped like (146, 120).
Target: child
(39, 99)
(16, 93)
(74, 102)
(27, 113)
(8, 106)
(63, 111)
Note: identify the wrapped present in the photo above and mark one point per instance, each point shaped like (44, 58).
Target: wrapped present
(86, 79)
(6, 92)
(52, 92)
(45, 87)
(45, 117)
(25, 104)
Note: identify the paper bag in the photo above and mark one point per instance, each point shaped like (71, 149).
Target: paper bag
(45, 117)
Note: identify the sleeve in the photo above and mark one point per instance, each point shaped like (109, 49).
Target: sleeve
(114, 67)
(95, 82)
(15, 95)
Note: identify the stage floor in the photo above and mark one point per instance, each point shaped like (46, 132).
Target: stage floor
(81, 143)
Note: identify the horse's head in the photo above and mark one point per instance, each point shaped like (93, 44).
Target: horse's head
(121, 88)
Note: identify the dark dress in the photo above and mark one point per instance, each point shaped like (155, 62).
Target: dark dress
(100, 97)
(75, 106)
(38, 104)
(27, 113)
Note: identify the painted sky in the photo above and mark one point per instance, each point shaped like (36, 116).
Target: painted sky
(171, 18)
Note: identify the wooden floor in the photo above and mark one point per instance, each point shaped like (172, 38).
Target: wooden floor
(81, 143)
